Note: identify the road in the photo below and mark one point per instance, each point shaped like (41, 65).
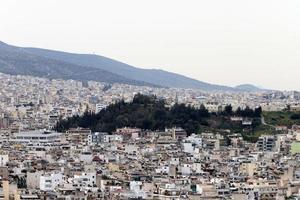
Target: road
(263, 121)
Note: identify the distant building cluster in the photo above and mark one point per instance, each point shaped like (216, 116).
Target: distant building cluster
(36, 103)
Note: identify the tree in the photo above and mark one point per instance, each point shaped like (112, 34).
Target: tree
(288, 107)
(258, 111)
(228, 110)
(238, 111)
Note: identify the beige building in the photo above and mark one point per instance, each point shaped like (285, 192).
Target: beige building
(33, 179)
(248, 169)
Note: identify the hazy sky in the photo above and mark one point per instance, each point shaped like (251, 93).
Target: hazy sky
(219, 41)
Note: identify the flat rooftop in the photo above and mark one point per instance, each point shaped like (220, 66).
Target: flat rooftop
(37, 133)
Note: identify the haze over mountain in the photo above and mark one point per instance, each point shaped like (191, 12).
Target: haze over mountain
(250, 88)
(56, 64)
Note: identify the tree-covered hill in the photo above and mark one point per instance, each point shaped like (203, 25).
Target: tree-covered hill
(150, 113)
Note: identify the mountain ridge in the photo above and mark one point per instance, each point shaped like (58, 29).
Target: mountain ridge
(250, 88)
(84, 67)
(17, 61)
(157, 76)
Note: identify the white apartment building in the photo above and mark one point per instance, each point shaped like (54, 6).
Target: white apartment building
(3, 160)
(85, 179)
(100, 107)
(112, 138)
(49, 182)
(37, 137)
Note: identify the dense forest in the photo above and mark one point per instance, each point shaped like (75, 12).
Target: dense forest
(151, 113)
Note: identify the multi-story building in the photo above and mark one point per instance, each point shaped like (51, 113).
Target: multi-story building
(49, 181)
(37, 137)
(266, 143)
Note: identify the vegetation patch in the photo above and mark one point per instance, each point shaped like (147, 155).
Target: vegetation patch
(282, 118)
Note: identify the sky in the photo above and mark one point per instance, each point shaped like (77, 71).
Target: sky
(227, 42)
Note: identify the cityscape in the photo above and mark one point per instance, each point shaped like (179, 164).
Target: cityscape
(38, 162)
(149, 100)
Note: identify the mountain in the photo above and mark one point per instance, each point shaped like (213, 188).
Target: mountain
(153, 76)
(249, 88)
(84, 67)
(19, 61)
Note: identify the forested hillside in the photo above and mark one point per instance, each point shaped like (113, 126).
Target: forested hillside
(150, 113)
